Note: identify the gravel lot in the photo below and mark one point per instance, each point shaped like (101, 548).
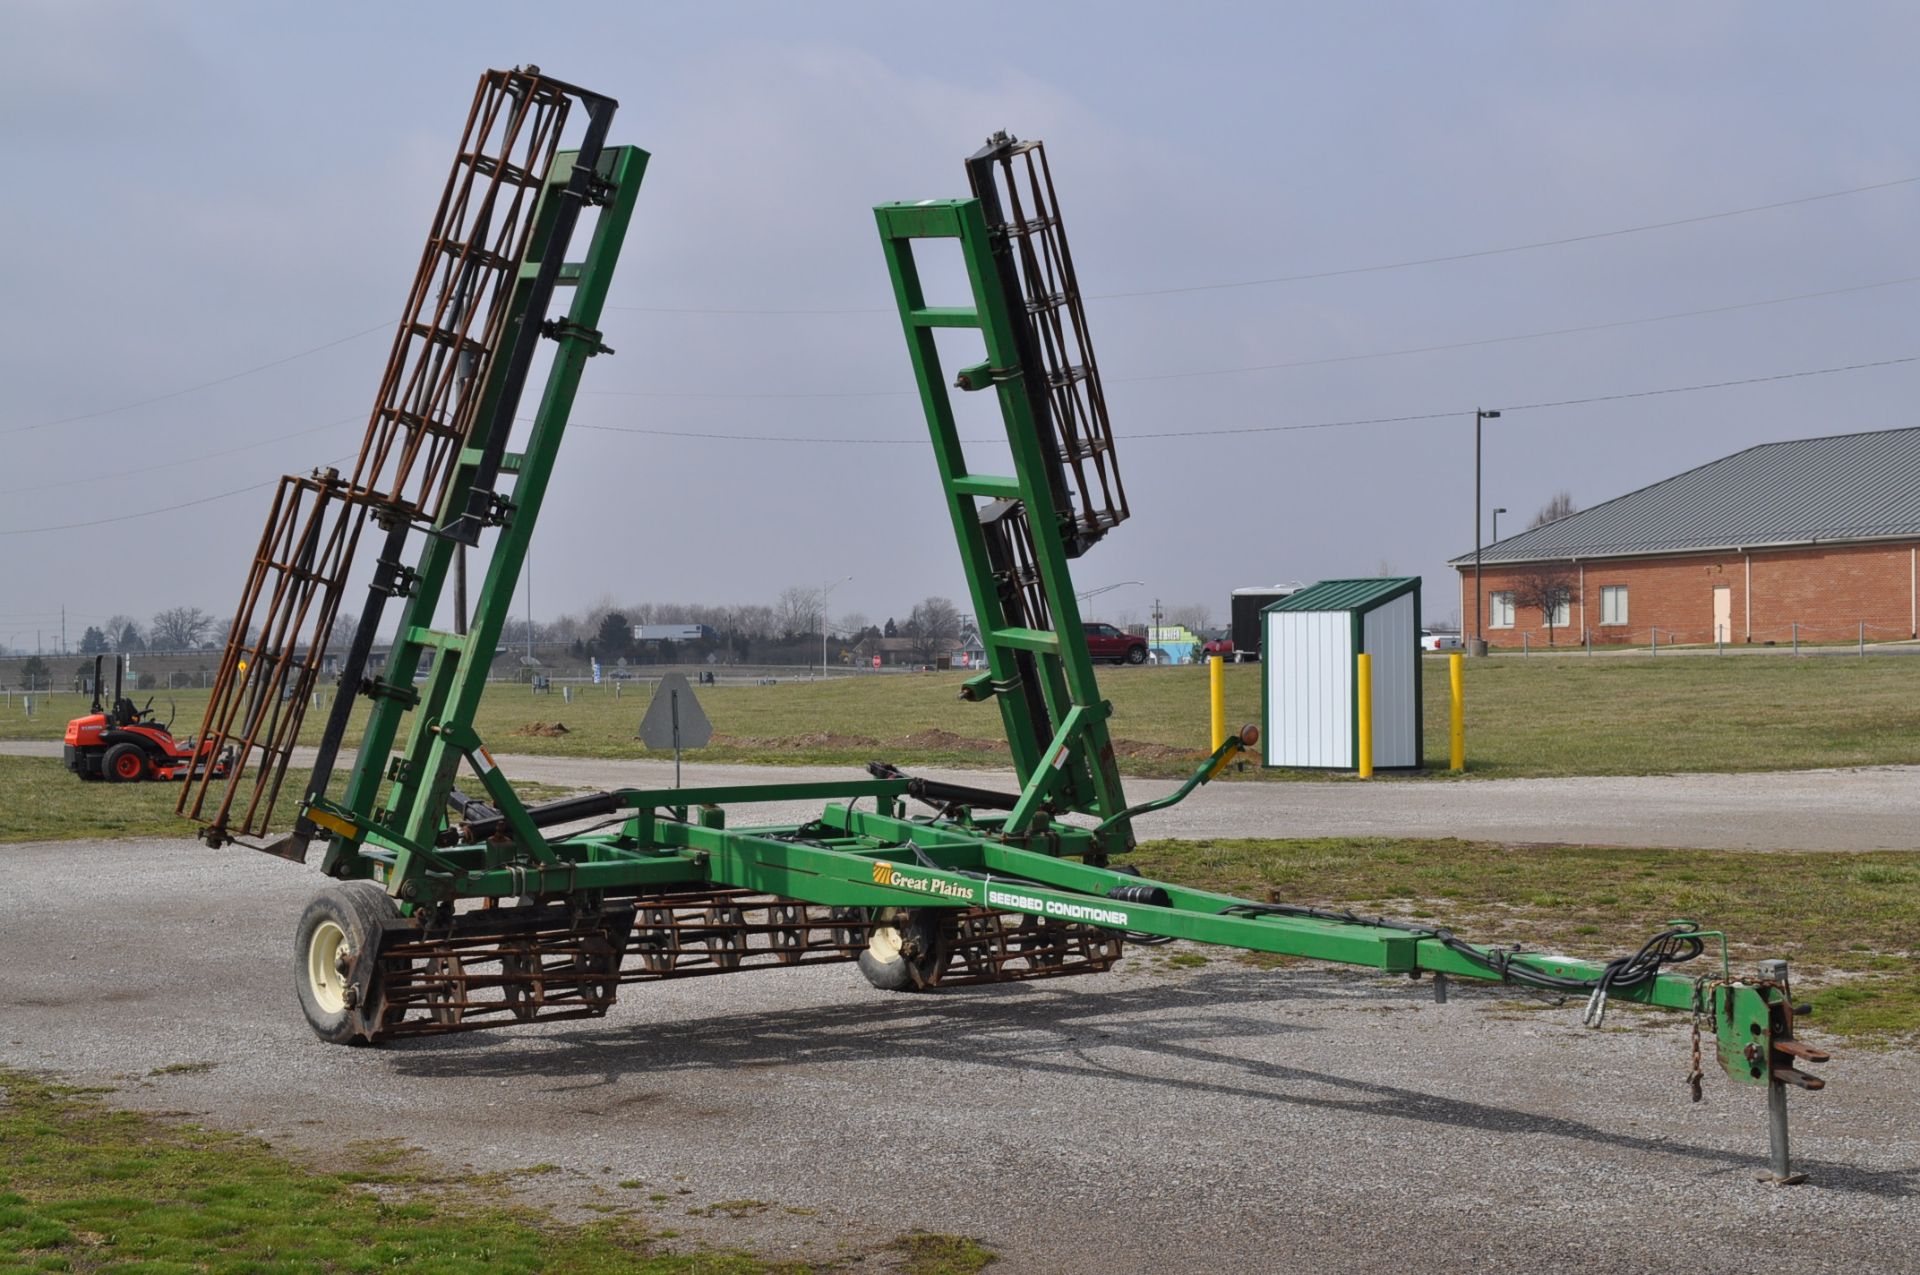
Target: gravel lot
(1154, 1119)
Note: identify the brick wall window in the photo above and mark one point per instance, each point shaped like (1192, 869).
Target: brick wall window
(1499, 610)
(1613, 604)
(1562, 611)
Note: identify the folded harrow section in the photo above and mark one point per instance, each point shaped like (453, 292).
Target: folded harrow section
(274, 650)
(1011, 180)
(433, 447)
(501, 966)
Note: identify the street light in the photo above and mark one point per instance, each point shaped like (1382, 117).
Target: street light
(1479, 607)
(826, 591)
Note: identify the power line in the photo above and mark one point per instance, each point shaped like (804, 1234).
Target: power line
(151, 513)
(1618, 396)
(1524, 336)
(1323, 361)
(1098, 296)
(1353, 270)
(1523, 247)
(218, 380)
(173, 464)
(145, 513)
(1278, 429)
(1530, 407)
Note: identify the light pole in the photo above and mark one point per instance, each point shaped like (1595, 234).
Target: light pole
(826, 591)
(1479, 607)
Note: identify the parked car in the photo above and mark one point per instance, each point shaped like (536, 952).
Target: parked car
(1104, 642)
(1220, 646)
(1431, 641)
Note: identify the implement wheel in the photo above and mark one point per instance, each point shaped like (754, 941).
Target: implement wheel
(340, 928)
(903, 950)
(125, 764)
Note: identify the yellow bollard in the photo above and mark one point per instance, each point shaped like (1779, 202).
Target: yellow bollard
(1217, 682)
(1365, 674)
(1457, 753)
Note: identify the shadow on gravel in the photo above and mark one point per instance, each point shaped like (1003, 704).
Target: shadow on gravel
(1028, 1028)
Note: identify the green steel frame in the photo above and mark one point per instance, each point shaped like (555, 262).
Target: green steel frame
(391, 825)
(1056, 722)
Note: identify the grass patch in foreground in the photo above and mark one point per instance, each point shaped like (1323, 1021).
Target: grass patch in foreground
(926, 1254)
(87, 1187)
(1844, 920)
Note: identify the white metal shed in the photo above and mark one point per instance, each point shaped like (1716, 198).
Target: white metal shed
(1310, 697)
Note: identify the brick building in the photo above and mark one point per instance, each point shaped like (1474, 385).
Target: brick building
(1817, 538)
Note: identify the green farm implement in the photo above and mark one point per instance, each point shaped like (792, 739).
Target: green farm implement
(455, 910)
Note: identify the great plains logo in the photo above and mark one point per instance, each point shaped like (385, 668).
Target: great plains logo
(1055, 907)
(888, 875)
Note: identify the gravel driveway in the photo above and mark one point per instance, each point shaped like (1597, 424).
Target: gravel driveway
(1156, 1119)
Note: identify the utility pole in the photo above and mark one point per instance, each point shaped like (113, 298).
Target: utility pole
(826, 591)
(1479, 605)
(63, 628)
(460, 590)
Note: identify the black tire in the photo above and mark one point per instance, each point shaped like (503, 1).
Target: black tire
(1136, 655)
(126, 764)
(901, 953)
(346, 918)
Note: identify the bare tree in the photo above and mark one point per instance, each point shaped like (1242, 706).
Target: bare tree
(1196, 616)
(124, 632)
(797, 613)
(345, 625)
(752, 620)
(934, 626)
(1561, 506)
(179, 628)
(1545, 587)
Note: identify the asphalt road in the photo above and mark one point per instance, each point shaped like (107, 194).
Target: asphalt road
(1219, 1119)
(1864, 808)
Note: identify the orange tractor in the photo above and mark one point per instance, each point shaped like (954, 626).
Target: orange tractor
(124, 744)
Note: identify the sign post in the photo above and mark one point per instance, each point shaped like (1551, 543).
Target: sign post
(675, 720)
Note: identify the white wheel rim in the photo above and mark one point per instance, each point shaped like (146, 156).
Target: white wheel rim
(883, 942)
(327, 951)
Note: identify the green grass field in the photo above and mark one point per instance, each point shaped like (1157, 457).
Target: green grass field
(42, 802)
(1844, 920)
(1618, 715)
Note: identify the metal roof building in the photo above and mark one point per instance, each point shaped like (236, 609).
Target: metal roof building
(1843, 487)
(1800, 538)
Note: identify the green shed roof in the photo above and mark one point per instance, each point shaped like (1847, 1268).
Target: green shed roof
(1347, 595)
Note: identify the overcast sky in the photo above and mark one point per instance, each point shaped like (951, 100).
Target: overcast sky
(197, 190)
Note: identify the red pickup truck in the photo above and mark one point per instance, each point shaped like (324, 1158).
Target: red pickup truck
(1104, 642)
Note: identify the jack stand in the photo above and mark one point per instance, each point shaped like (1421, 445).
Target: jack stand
(1780, 1170)
(1779, 1163)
